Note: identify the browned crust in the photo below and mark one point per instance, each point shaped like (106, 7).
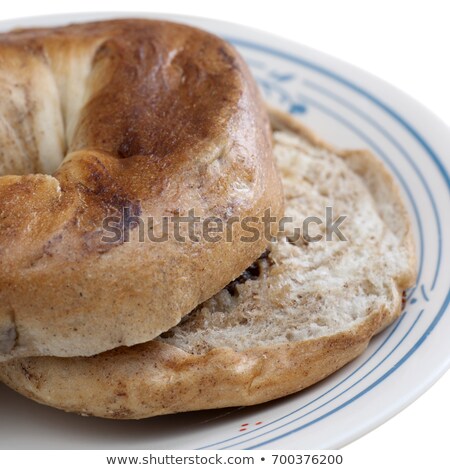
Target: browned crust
(156, 378)
(172, 121)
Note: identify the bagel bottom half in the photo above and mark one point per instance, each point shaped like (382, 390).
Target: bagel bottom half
(299, 313)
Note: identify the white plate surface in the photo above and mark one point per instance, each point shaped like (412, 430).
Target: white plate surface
(351, 109)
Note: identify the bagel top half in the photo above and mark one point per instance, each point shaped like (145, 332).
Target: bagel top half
(121, 119)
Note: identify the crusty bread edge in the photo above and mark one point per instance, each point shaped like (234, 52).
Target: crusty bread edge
(156, 378)
(365, 164)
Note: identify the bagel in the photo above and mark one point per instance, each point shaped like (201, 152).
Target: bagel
(299, 313)
(121, 119)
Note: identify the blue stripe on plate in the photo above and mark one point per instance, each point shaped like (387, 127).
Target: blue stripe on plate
(393, 330)
(341, 393)
(372, 385)
(406, 155)
(432, 155)
(378, 150)
(353, 86)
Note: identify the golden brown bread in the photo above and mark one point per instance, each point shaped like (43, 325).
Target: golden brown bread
(151, 116)
(305, 312)
(154, 378)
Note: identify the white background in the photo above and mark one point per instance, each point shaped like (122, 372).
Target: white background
(406, 43)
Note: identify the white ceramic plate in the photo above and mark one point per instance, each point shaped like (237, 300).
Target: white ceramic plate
(351, 109)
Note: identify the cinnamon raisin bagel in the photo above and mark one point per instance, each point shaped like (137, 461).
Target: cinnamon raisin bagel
(300, 312)
(121, 119)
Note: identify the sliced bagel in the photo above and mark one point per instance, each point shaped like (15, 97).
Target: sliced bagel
(131, 119)
(296, 315)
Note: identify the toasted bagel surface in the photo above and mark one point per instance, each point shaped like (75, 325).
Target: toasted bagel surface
(302, 311)
(107, 122)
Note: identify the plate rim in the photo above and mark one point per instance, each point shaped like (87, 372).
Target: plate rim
(432, 378)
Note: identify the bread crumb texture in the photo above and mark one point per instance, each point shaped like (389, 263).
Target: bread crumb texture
(300, 290)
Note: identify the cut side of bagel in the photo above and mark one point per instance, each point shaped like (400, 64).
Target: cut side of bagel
(300, 312)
